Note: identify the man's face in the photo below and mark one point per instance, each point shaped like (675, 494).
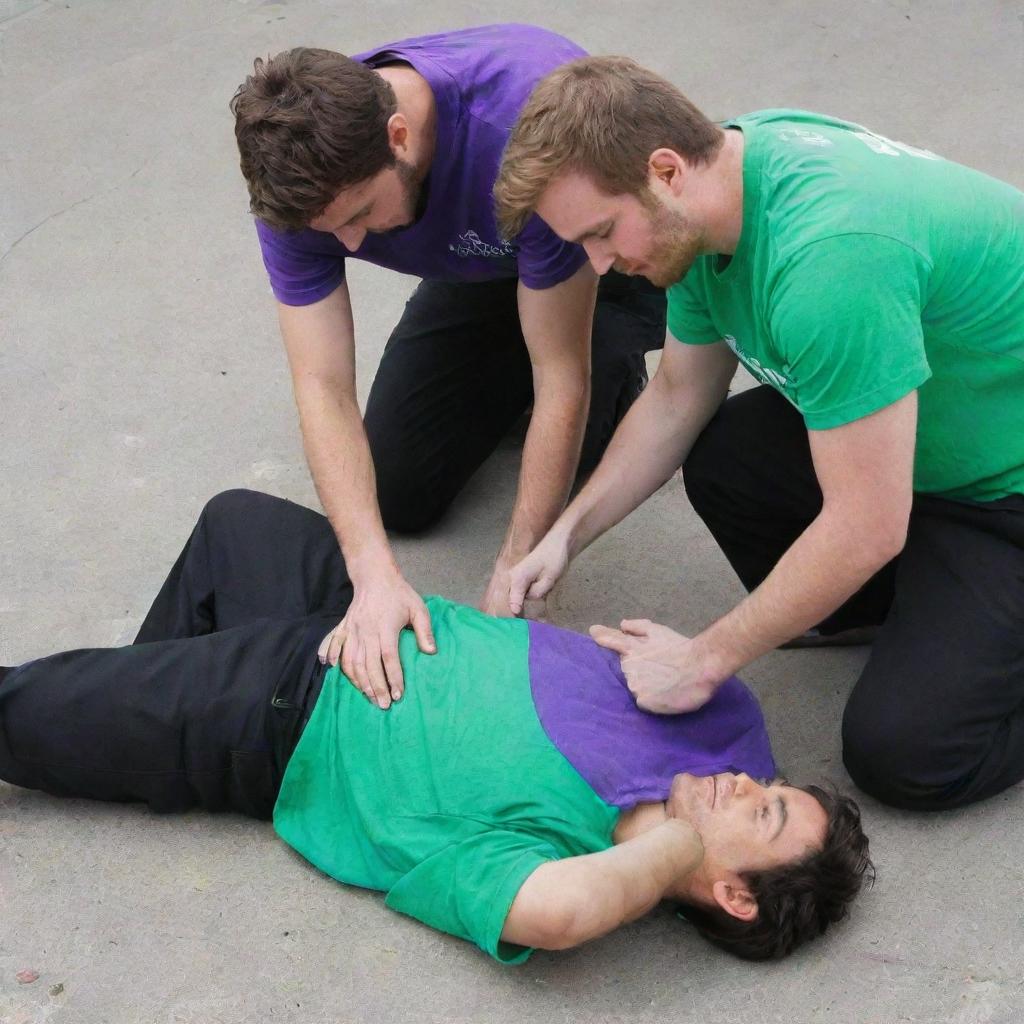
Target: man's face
(746, 826)
(634, 234)
(389, 201)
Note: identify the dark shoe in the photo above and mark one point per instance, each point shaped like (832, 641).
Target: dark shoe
(854, 637)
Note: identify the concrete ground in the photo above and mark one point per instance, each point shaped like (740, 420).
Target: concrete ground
(140, 373)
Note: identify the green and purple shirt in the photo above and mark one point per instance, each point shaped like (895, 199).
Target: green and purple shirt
(517, 743)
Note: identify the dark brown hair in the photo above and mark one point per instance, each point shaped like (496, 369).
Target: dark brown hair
(796, 902)
(602, 116)
(309, 123)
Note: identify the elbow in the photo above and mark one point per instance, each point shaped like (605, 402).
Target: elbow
(874, 541)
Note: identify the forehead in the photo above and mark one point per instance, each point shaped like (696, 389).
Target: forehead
(573, 203)
(348, 202)
(806, 820)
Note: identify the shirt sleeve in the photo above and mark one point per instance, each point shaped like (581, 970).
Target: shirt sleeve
(467, 888)
(689, 318)
(845, 319)
(544, 259)
(304, 266)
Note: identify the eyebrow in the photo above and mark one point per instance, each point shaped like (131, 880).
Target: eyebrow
(782, 814)
(590, 232)
(355, 216)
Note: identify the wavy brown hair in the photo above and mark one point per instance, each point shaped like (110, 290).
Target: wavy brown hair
(309, 123)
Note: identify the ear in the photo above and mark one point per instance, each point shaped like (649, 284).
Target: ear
(398, 132)
(665, 167)
(735, 899)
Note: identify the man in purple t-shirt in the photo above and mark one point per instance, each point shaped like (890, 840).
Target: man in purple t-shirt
(391, 157)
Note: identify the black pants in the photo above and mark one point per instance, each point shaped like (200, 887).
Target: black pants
(456, 375)
(936, 719)
(206, 706)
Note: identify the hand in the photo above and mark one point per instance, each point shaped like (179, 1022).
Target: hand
(533, 577)
(661, 666)
(367, 638)
(496, 596)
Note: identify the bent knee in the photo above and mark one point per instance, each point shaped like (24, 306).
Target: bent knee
(234, 502)
(406, 505)
(898, 762)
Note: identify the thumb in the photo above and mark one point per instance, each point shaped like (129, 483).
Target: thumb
(424, 633)
(636, 627)
(519, 582)
(613, 639)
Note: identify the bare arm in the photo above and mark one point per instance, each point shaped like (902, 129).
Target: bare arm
(320, 343)
(865, 470)
(566, 902)
(556, 325)
(650, 444)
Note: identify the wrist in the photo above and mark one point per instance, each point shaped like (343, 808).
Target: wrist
(714, 664)
(370, 565)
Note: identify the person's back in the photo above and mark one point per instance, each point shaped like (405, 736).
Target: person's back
(850, 236)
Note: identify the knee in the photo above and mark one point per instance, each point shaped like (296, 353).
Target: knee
(890, 756)
(406, 502)
(703, 468)
(232, 504)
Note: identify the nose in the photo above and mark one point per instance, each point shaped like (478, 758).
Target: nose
(600, 258)
(351, 237)
(744, 784)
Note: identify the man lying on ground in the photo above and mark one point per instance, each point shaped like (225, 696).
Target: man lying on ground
(515, 796)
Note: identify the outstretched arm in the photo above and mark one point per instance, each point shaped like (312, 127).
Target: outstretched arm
(556, 325)
(649, 445)
(319, 339)
(566, 902)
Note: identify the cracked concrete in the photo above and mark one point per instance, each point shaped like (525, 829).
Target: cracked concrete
(140, 373)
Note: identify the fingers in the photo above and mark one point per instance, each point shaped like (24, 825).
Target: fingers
(636, 627)
(376, 679)
(325, 646)
(394, 679)
(613, 639)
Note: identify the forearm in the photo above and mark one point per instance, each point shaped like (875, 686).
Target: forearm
(342, 469)
(650, 444)
(608, 889)
(825, 566)
(550, 458)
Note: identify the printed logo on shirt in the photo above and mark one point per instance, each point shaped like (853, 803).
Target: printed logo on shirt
(889, 147)
(803, 135)
(469, 243)
(765, 374)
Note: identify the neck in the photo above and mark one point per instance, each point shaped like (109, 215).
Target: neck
(722, 180)
(416, 103)
(644, 817)
(637, 820)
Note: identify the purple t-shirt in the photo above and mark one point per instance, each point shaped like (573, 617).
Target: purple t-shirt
(624, 754)
(481, 78)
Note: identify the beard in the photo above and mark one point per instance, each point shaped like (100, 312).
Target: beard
(414, 196)
(675, 244)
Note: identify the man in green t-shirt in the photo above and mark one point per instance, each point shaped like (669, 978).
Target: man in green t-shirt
(514, 796)
(874, 483)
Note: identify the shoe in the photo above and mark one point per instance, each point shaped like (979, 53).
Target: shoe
(854, 637)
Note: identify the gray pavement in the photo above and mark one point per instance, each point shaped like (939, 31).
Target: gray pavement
(140, 373)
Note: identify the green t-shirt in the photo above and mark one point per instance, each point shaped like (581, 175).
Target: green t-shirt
(427, 801)
(867, 268)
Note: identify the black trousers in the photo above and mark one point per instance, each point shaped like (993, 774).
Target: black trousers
(936, 719)
(456, 375)
(205, 708)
